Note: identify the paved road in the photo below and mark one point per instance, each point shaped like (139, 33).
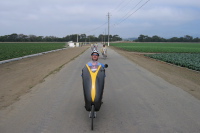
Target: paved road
(135, 101)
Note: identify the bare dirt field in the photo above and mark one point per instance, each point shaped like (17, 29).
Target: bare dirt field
(18, 77)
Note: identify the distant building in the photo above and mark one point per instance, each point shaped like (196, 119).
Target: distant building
(71, 44)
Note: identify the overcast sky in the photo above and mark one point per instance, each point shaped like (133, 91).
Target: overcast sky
(128, 18)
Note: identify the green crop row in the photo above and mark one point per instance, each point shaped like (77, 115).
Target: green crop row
(160, 47)
(189, 60)
(14, 50)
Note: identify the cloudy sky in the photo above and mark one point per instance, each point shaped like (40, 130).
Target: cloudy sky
(128, 18)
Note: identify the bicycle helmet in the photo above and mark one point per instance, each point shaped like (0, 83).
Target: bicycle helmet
(95, 51)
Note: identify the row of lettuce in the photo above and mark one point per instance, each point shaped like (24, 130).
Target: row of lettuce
(180, 54)
(14, 50)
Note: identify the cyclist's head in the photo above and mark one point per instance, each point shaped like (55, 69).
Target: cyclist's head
(104, 45)
(95, 55)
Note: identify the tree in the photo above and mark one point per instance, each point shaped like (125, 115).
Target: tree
(174, 39)
(13, 37)
(32, 38)
(23, 38)
(116, 38)
(92, 38)
(196, 39)
(4, 38)
(188, 38)
(143, 38)
(156, 39)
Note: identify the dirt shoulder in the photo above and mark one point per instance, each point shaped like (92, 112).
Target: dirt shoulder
(18, 77)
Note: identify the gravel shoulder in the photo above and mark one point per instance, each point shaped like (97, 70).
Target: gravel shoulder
(19, 77)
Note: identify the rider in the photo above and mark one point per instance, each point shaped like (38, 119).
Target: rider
(94, 47)
(104, 50)
(94, 63)
(94, 66)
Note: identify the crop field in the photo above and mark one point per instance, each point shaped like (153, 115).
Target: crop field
(14, 50)
(189, 60)
(181, 54)
(160, 47)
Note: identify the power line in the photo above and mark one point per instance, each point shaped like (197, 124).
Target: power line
(125, 5)
(96, 28)
(130, 11)
(119, 4)
(115, 27)
(108, 16)
(124, 18)
(136, 10)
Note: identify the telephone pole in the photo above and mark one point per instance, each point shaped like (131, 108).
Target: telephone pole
(108, 26)
(104, 37)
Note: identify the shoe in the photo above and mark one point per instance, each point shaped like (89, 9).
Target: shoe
(95, 114)
(90, 114)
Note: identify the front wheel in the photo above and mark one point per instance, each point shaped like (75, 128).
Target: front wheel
(92, 116)
(104, 55)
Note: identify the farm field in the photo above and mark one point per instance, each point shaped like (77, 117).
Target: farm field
(181, 54)
(14, 50)
(160, 47)
(189, 60)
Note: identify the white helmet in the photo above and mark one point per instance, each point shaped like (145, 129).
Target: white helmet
(95, 51)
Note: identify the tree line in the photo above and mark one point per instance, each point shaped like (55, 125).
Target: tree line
(91, 38)
(74, 37)
(186, 38)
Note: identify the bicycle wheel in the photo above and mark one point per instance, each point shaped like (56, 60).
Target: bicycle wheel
(92, 116)
(105, 54)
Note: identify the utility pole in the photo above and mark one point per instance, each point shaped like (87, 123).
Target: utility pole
(102, 37)
(105, 36)
(108, 26)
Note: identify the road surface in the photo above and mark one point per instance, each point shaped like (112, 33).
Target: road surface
(135, 101)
